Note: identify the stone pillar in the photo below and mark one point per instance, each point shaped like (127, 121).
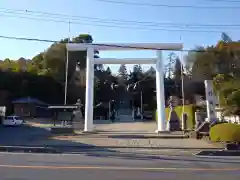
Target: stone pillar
(78, 121)
(198, 119)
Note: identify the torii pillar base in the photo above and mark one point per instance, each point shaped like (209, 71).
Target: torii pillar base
(162, 132)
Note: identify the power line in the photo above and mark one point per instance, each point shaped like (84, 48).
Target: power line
(82, 22)
(221, 1)
(124, 26)
(168, 6)
(117, 26)
(28, 39)
(97, 44)
(74, 17)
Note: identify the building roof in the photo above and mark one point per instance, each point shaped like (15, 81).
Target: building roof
(63, 107)
(28, 100)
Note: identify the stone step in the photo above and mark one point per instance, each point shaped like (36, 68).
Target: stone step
(124, 115)
(125, 118)
(124, 111)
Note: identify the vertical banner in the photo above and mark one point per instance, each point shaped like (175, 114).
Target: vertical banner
(2, 111)
(210, 100)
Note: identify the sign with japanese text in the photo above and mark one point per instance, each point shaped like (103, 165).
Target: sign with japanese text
(210, 99)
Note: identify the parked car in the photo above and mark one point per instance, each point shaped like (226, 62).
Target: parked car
(12, 121)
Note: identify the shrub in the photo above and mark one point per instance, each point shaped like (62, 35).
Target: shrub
(225, 132)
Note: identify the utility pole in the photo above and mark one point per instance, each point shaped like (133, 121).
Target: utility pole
(141, 104)
(182, 80)
(182, 87)
(66, 69)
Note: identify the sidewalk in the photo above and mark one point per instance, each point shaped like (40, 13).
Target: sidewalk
(79, 144)
(151, 143)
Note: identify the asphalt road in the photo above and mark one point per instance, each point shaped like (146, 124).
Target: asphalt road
(86, 166)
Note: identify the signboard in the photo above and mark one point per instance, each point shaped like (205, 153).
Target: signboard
(65, 116)
(210, 100)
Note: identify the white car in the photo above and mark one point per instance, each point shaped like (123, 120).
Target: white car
(12, 121)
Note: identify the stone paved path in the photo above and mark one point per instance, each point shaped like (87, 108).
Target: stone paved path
(128, 127)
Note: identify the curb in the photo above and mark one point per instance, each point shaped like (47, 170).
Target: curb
(87, 146)
(128, 136)
(58, 149)
(47, 147)
(237, 158)
(219, 153)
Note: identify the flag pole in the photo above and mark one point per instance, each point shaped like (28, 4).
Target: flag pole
(66, 70)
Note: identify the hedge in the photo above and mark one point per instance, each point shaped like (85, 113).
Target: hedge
(226, 132)
(189, 109)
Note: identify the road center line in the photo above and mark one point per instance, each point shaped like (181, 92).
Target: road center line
(117, 168)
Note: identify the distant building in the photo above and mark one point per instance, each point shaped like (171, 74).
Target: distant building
(30, 107)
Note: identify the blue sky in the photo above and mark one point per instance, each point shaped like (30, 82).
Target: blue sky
(12, 26)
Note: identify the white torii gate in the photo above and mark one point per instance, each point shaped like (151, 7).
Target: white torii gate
(90, 48)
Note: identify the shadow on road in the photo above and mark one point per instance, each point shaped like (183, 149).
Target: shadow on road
(22, 135)
(138, 156)
(31, 136)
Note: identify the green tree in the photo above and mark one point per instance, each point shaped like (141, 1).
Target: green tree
(218, 82)
(233, 103)
(108, 71)
(22, 64)
(177, 75)
(227, 88)
(226, 38)
(223, 58)
(177, 71)
(137, 69)
(29, 76)
(53, 61)
(39, 63)
(151, 71)
(122, 72)
(136, 75)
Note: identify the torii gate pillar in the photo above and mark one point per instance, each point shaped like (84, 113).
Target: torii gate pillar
(160, 94)
(89, 96)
